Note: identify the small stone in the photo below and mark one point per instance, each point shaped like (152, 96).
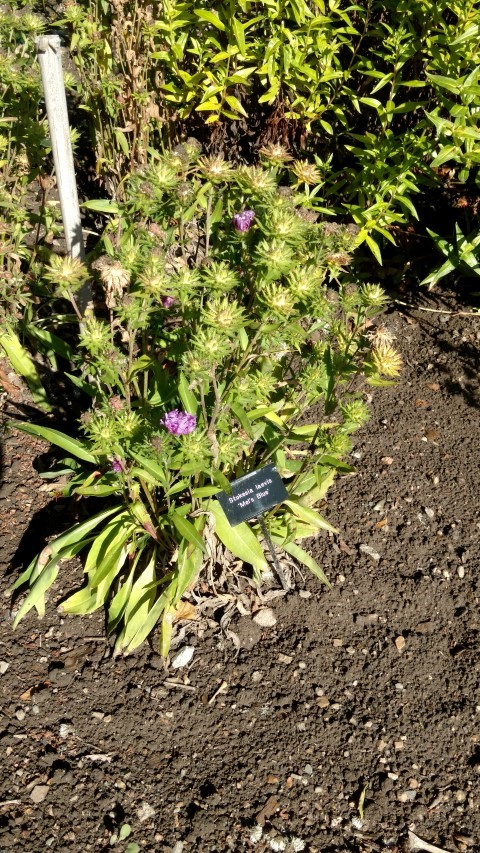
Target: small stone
(400, 643)
(413, 783)
(272, 780)
(323, 702)
(98, 715)
(387, 460)
(183, 657)
(145, 812)
(308, 769)
(257, 676)
(35, 709)
(393, 776)
(65, 730)
(407, 796)
(265, 618)
(399, 744)
(3, 667)
(284, 658)
(461, 572)
(38, 793)
(338, 642)
(297, 844)
(460, 796)
(429, 512)
(20, 714)
(305, 593)
(376, 557)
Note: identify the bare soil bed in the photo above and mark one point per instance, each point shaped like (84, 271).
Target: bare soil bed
(355, 718)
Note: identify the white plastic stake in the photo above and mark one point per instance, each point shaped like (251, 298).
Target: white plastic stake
(50, 60)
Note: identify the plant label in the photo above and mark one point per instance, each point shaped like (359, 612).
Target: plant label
(253, 494)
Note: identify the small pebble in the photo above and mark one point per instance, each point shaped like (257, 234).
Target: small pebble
(285, 658)
(337, 642)
(20, 714)
(257, 676)
(38, 793)
(429, 512)
(145, 812)
(265, 618)
(407, 796)
(308, 769)
(400, 643)
(323, 702)
(370, 552)
(3, 667)
(183, 657)
(461, 572)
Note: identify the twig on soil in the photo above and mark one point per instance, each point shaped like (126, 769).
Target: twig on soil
(440, 310)
(416, 843)
(170, 682)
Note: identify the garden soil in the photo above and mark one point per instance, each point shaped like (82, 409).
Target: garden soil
(350, 721)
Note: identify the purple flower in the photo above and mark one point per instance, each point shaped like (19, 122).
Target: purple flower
(242, 221)
(167, 301)
(179, 423)
(117, 466)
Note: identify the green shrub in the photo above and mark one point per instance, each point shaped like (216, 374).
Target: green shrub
(222, 326)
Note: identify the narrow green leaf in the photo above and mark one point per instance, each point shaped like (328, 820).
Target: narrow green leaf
(187, 397)
(23, 364)
(71, 445)
(210, 18)
(102, 205)
(310, 516)
(36, 595)
(299, 554)
(186, 529)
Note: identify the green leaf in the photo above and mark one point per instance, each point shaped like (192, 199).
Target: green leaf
(119, 602)
(125, 831)
(71, 445)
(152, 467)
(189, 563)
(53, 342)
(240, 540)
(188, 399)
(239, 35)
(210, 18)
(23, 364)
(242, 418)
(91, 390)
(374, 248)
(149, 621)
(35, 597)
(299, 554)
(186, 529)
(82, 602)
(102, 205)
(310, 516)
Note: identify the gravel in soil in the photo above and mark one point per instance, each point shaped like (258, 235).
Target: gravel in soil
(353, 718)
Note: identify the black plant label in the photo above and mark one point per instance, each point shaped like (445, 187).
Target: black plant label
(253, 494)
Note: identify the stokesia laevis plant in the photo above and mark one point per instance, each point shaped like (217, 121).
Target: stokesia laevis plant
(230, 315)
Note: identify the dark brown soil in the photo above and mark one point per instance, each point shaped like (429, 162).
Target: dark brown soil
(352, 720)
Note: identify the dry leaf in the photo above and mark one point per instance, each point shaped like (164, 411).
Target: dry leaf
(25, 697)
(432, 435)
(381, 523)
(184, 610)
